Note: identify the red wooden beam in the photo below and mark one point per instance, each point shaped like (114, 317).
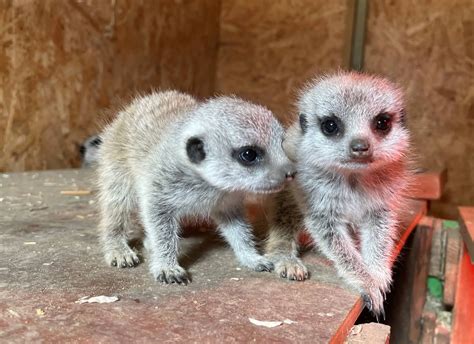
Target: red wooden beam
(467, 228)
(463, 329)
(463, 321)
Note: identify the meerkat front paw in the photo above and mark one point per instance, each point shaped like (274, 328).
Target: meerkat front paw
(291, 268)
(121, 257)
(373, 299)
(169, 275)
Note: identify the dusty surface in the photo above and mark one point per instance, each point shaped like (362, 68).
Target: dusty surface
(50, 258)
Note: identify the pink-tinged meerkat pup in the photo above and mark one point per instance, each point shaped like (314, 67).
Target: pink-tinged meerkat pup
(350, 144)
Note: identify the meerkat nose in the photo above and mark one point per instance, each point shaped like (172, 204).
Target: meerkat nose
(290, 175)
(360, 148)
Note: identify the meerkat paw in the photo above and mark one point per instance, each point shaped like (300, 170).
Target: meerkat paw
(121, 257)
(259, 263)
(373, 299)
(170, 275)
(291, 268)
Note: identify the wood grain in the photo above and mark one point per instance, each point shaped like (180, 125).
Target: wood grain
(427, 46)
(65, 65)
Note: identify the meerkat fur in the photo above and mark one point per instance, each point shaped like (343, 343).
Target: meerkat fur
(350, 145)
(171, 157)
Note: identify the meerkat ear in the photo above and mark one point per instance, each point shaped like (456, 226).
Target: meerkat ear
(291, 141)
(195, 150)
(303, 122)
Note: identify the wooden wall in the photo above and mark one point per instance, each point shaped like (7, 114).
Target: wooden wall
(63, 62)
(428, 47)
(268, 49)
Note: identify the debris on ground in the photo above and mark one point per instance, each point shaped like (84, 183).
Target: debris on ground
(97, 299)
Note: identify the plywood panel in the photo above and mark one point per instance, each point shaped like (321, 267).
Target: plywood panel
(428, 46)
(63, 62)
(268, 49)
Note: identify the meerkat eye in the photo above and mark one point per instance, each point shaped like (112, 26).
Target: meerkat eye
(330, 126)
(82, 150)
(383, 122)
(249, 155)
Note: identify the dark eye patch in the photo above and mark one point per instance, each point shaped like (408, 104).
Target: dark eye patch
(195, 150)
(248, 155)
(331, 125)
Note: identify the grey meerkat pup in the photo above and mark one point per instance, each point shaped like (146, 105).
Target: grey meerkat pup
(350, 144)
(89, 151)
(171, 157)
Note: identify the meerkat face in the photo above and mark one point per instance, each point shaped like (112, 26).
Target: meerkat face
(237, 146)
(353, 122)
(89, 150)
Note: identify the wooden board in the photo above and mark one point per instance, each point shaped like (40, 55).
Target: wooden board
(407, 300)
(426, 46)
(51, 258)
(467, 228)
(429, 185)
(373, 333)
(68, 65)
(452, 260)
(268, 49)
(463, 329)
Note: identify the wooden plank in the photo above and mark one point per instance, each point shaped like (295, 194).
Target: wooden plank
(467, 228)
(452, 255)
(44, 233)
(409, 221)
(463, 329)
(407, 301)
(373, 333)
(428, 326)
(428, 185)
(438, 246)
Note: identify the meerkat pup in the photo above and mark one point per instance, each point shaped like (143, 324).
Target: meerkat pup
(350, 145)
(89, 151)
(172, 157)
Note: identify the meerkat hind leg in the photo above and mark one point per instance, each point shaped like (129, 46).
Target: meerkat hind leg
(115, 222)
(282, 250)
(281, 245)
(238, 233)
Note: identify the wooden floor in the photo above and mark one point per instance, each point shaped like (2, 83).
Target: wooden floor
(51, 258)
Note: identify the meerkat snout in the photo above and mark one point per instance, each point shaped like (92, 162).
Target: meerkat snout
(360, 148)
(290, 175)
